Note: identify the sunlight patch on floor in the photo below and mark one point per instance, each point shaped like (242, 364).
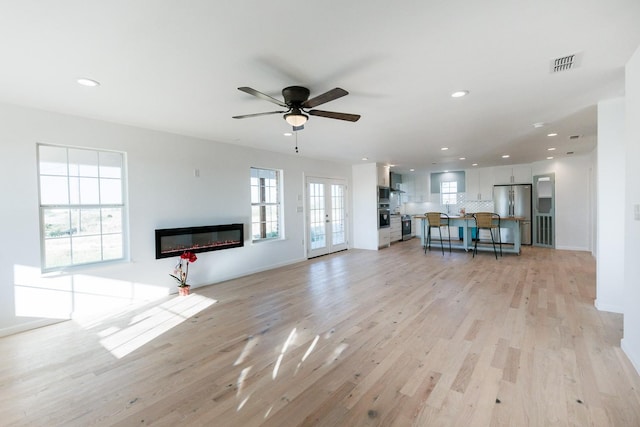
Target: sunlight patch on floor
(65, 296)
(154, 322)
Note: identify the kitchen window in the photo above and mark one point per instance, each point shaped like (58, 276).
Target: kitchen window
(266, 204)
(82, 206)
(448, 192)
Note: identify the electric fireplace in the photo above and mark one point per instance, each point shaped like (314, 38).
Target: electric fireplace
(172, 242)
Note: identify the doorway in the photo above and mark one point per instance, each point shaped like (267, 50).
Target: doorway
(544, 210)
(326, 216)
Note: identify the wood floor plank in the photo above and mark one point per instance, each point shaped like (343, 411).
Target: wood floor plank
(361, 338)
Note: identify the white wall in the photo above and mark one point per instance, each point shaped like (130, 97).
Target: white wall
(611, 196)
(163, 193)
(631, 341)
(573, 197)
(365, 205)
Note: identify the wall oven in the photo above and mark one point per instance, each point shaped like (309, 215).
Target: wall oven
(384, 216)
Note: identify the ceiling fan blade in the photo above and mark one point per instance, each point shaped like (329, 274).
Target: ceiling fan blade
(261, 95)
(325, 97)
(258, 114)
(334, 115)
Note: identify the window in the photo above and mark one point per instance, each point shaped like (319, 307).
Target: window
(265, 204)
(448, 192)
(82, 210)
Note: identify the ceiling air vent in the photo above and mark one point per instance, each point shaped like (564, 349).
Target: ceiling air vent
(565, 63)
(574, 137)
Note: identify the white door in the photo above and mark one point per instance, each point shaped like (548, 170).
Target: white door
(326, 216)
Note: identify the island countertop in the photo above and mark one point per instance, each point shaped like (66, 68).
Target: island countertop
(470, 217)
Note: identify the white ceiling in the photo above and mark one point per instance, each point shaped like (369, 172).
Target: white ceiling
(176, 65)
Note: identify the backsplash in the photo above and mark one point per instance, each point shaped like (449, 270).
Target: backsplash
(470, 206)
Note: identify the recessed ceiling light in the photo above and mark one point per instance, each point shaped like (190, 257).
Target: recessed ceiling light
(444, 148)
(538, 125)
(551, 148)
(460, 93)
(412, 170)
(365, 158)
(87, 82)
(462, 158)
(474, 164)
(552, 134)
(287, 134)
(392, 166)
(505, 156)
(550, 157)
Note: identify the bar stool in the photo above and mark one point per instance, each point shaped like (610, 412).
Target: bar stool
(437, 220)
(485, 220)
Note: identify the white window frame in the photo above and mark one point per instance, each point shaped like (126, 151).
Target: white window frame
(268, 203)
(77, 208)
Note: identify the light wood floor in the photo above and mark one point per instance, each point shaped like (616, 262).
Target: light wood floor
(358, 338)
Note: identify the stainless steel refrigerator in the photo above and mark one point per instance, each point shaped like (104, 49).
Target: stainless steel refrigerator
(514, 200)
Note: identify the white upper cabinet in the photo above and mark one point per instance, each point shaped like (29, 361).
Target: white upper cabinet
(486, 180)
(479, 184)
(472, 184)
(416, 187)
(513, 174)
(383, 176)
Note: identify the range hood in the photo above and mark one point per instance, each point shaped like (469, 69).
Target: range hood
(395, 179)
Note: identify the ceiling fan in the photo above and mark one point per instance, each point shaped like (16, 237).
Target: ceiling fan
(297, 103)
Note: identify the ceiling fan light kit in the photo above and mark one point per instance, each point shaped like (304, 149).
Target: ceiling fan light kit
(296, 99)
(295, 118)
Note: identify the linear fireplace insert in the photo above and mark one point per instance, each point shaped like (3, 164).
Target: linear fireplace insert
(174, 241)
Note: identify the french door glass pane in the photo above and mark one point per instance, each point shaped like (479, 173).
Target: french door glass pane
(338, 214)
(317, 216)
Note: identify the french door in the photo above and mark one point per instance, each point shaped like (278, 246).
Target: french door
(326, 216)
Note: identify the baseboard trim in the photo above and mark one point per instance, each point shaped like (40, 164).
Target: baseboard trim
(608, 307)
(27, 326)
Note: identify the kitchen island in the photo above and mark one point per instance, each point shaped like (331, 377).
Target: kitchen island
(467, 223)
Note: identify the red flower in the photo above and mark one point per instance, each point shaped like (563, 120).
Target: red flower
(190, 256)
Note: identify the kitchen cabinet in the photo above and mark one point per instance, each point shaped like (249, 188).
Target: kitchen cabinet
(395, 230)
(383, 175)
(479, 182)
(485, 183)
(416, 187)
(416, 227)
(384, 237)
(513, 174)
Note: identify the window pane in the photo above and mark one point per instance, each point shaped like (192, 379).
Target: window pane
(112, 220)
(89, 192)
(110, 165)
(53, 160)
(83, 163)
(86, 249)
(111, 191)
(54, 190)
(58, 252)
(57, 222)
(89, 222)
(255, 194)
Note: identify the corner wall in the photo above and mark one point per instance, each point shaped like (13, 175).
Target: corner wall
(631, 341)
(611, 196)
